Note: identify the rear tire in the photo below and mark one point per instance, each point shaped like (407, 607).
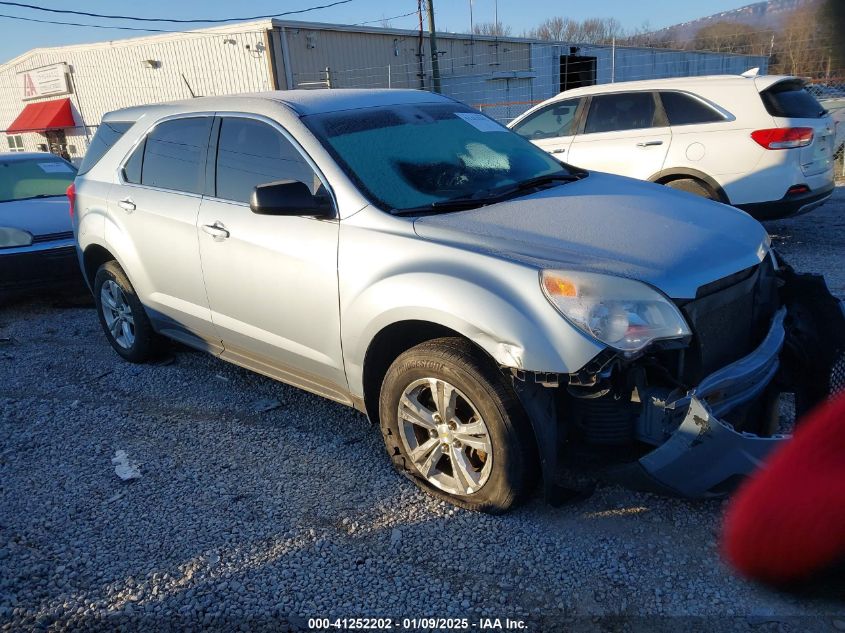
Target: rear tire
(482, 428)
(691, 185)
(122, 316)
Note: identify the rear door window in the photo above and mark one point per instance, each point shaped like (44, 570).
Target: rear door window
(174, 155)
(251, 153)
(789, 99)
(684, 109)
(555, 120)
(106, 135)
(620, 111)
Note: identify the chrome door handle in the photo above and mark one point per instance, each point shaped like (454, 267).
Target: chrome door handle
(649, 143)
(558, 151)
(127, 205)
(216, 230)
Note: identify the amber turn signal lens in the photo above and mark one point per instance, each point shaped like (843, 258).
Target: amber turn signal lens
(559, 287)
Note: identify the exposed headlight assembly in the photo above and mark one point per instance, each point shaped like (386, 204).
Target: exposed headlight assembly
(10, 238)
(625, 314)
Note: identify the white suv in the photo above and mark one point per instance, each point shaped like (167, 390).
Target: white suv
(761, 143)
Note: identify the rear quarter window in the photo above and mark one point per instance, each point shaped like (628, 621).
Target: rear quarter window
(790, 99)
(106, 135)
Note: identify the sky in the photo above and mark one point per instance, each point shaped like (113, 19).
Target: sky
(17, 37)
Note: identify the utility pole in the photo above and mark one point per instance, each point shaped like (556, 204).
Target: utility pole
(435, 56)
(421, 73)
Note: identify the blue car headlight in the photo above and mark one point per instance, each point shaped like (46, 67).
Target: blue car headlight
(10, 237)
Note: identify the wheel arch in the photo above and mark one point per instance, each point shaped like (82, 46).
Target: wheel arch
(665, 176)
(515, 329)
(392, 341)
(94, 256)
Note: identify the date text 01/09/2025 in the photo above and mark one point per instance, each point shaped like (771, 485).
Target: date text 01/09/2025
(412, 624)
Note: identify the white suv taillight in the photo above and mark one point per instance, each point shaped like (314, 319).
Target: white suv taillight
(783, 137)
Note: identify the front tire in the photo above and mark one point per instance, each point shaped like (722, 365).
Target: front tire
(452, 421)
(122, 316)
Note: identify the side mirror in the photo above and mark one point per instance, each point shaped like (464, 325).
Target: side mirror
(289, 197)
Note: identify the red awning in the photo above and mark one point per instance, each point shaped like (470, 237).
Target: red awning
(45, 115)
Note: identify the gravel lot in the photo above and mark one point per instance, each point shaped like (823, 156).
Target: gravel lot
(261, 505)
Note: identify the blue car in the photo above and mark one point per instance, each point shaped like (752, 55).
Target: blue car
(36, 235)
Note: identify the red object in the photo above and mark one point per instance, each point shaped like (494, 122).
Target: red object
(788, 521)
(794, 190)
(71, 196)
(45, 115)
(783, 137)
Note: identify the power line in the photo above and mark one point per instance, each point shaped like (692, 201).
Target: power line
(93, 26)
(182, 21)
(152, 30)
(395, 17)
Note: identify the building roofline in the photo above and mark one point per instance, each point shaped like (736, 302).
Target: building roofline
(237, 27)
(273, 23)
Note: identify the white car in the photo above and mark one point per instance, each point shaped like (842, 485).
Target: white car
(760, 143)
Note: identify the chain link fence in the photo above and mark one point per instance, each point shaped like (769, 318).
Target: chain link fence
(831, 94)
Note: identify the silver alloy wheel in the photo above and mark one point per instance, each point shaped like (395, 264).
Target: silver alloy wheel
(444, 436)
(118, 314)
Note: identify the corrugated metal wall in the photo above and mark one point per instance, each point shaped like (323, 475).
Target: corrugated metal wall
(376, 60)
(109, 76)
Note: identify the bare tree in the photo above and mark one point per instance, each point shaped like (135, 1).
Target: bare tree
(732, 37)
(589, 31)
(802, 48)
(492, 28)
(551, 29)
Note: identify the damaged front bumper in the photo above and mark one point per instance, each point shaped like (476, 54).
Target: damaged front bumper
(700, 436)
(704, 455)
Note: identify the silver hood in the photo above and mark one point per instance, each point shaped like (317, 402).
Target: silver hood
(610, 224)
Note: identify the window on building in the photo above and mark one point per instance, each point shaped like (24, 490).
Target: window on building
(252, 153)
(684, 109)
(620, 111)
(174, 155)
(552, 121)
(15, 143)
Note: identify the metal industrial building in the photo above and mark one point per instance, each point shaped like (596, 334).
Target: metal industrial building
(53, 98)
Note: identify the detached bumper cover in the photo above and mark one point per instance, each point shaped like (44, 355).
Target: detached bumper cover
(704, 453)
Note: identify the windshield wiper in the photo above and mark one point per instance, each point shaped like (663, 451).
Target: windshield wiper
(532, 183)
(35, 197)
(460, 203)
(484, 196)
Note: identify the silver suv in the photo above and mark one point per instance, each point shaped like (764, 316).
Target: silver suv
(491, 308)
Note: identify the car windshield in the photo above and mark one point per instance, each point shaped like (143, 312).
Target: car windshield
(411, 156)
(34, 177)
